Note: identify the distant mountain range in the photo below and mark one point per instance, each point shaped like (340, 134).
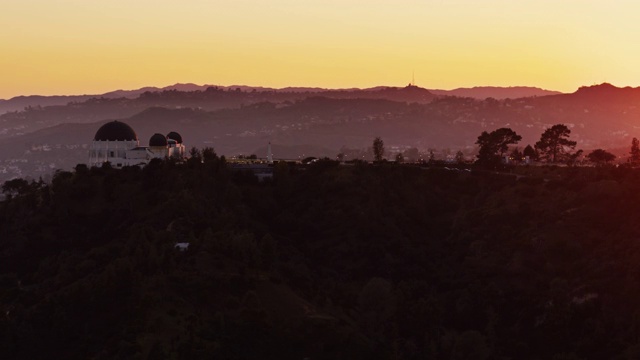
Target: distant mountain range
(312, 123)
(21, 102)
(483, 92)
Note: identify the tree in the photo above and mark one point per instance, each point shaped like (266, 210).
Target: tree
(573, 158)
(15, 187)
(530, 152)
(399, 158)
(516, 155)
(195, 157)
(554, 143)
(209, 155)
(493, 145)
(600, 156)
(194, 152)
(460, 157)
(378, 149)
(635, 151)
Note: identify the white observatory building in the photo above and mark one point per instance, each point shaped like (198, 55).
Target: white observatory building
(117, 143)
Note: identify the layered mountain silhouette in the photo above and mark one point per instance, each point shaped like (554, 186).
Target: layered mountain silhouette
(604, 94)
(483, 92)
(410, 93)
(316, 123)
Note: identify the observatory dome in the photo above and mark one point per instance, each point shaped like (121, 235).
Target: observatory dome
(158, 140)
(175, 136)
(115, 131)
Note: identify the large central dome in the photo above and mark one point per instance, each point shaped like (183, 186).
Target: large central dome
(115, 131)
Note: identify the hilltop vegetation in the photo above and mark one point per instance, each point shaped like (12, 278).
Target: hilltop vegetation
(325, 261)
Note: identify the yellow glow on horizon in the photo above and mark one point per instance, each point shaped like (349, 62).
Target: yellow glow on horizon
(76, 47)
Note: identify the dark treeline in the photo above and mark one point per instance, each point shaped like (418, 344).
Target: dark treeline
(324, 261)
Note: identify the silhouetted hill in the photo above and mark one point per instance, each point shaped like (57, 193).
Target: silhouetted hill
(130, 93)
(19, 103)
(607, 93)
(177, 87)
(117, 105)
(91, 110)
(603, 94)
(483, 92)
(323, 261)
(605, 112)
(409, 93)
(302, 89)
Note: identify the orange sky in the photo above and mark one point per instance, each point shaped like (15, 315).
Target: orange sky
(89, 46)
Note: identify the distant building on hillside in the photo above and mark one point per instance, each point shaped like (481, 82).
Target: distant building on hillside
(117, 143)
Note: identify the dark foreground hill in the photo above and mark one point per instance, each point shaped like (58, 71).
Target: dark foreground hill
(323, 262)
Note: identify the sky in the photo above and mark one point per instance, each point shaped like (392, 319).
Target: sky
(91, 47)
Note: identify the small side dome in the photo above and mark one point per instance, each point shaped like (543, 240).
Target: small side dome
(175, 136)
(115, 131)
(158, 140)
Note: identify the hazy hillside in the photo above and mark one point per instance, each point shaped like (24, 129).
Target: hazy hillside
(19, 103)
(239, 122)
(94, 109)
(315, 123)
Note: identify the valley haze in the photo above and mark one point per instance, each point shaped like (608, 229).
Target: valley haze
(42, 133)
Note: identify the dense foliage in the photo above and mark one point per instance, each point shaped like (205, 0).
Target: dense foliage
(554, 144)
(599, 157)
(324, 262)
(495, 144)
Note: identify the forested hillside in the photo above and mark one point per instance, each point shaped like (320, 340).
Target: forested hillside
(324, 262)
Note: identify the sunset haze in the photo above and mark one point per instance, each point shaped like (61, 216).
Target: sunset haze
(91, 47)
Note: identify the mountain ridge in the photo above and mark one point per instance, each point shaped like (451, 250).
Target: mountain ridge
(238, 122)
(497, 92)
(20, 102)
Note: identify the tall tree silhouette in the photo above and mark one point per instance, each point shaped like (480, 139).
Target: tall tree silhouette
(554, 143)
(495, 144)
(378, 149)
(530, 152)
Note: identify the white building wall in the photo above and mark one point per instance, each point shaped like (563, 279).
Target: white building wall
(122, 153)
(114, 152)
